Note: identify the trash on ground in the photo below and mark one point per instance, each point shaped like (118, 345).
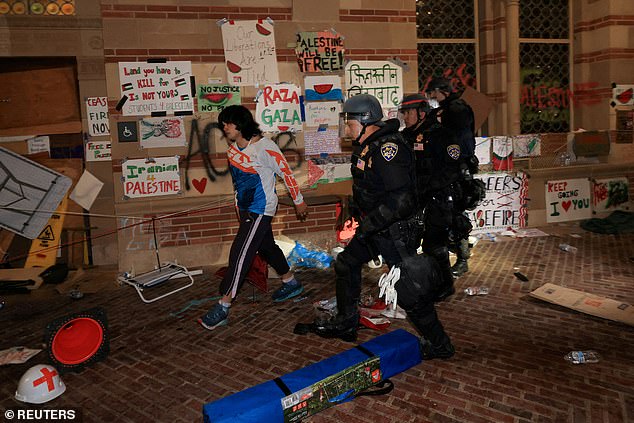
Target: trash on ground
(325, 309)
(476, 290)
(568, 248)
(586, 303)
(301, 256)
(375, 323)
(521, 276)
(582, 357)
(17, 355)
(397, 313)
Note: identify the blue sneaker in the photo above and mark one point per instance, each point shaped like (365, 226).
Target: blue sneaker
(287, 290)
(216, 316)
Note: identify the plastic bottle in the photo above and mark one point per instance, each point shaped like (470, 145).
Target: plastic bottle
(582, 357)
(476, 290)
(567, 248)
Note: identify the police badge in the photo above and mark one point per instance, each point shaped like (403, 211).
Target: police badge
(389, 150)
(454, 151)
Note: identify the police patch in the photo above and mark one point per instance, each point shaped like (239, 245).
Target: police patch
(454, 151)
(389, 150)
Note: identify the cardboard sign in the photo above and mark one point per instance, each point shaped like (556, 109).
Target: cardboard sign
(278, 108)
(98, 151)
(483, 150)
(504, 205)
(322, 113)
(97, 112)
(215, 97)
(319, 51)
(250, 56)
(610, 194)
(591, 143)
(568, 200)
(380, 78)
(622, 95)
(159, 176)
(156, 87)
(162, 132)
(527, 145)
(323, 88)
(586, 303)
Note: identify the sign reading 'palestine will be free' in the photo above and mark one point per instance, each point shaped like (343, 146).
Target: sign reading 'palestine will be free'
(319, 51)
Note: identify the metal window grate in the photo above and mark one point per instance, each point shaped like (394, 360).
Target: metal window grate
(456, 61)
(545, 19)
(445, 19)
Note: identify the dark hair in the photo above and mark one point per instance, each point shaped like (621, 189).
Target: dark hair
(242, 118)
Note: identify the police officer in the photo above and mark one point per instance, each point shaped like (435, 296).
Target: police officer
(383, 190)
(455, 114)
(414, 108)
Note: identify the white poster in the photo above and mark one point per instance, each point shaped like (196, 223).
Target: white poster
(622, 95)
(250, 56)
(322, 113)
(162, 132)
(325, 141)
(380, 78)
(98, 151)
(483, 150)
(610, 194)
(318, 88)
(527, 145)
(156, 87)
(86, 190)
(150, 177)
(39, 144)
(568, 200)
(504, 205)
(97, 111)
(278, 109)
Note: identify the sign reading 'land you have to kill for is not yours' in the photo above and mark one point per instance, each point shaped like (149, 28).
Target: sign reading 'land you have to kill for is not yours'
(156, 87)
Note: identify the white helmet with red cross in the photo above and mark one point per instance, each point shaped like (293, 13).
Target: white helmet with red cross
(39, 384)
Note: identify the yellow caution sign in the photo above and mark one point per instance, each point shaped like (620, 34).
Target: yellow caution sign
(43, 252)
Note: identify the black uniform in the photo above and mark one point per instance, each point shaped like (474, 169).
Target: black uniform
(443, 152)
(383, 190)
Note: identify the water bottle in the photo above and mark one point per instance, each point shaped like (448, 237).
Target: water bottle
(567, 248)
(582, 357)
(476, 290)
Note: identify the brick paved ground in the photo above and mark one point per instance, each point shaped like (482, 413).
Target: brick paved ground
(509, 364)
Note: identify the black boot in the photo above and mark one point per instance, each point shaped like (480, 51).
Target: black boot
(462, 253)
(342, 327)
(446, 289)
(430, 351)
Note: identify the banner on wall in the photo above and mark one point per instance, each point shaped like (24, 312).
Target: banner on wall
(250, 56)
(527, 145)
(319, 51)
(610, 194)
(380, 78)
(278, 108)
(322, 113)
(323, 88)
(162, 132)
(568, 200)
(156, 87)
(215, 97)
(98, 151)
(97, 112)
(483, 150)
(150, 177)
(504, 205)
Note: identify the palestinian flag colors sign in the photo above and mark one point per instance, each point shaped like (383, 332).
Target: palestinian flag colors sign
(250, 55)
(323, 88)
(215, 97)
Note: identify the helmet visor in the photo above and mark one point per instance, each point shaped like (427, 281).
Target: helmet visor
(350, 124)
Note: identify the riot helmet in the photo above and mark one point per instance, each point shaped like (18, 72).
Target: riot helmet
(362, 108)
(439, 84)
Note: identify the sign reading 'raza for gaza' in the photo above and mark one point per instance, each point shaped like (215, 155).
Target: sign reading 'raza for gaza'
(278, 108)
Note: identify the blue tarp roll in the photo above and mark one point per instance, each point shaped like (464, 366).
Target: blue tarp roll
(398, 351)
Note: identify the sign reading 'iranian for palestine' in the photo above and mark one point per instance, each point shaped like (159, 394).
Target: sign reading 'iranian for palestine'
(156, 87)
(150, 178)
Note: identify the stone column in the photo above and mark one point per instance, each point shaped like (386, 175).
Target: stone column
(513, 82)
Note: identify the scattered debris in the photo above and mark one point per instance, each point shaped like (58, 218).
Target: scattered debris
(476, 290)
(17, 355)
(521, 276)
